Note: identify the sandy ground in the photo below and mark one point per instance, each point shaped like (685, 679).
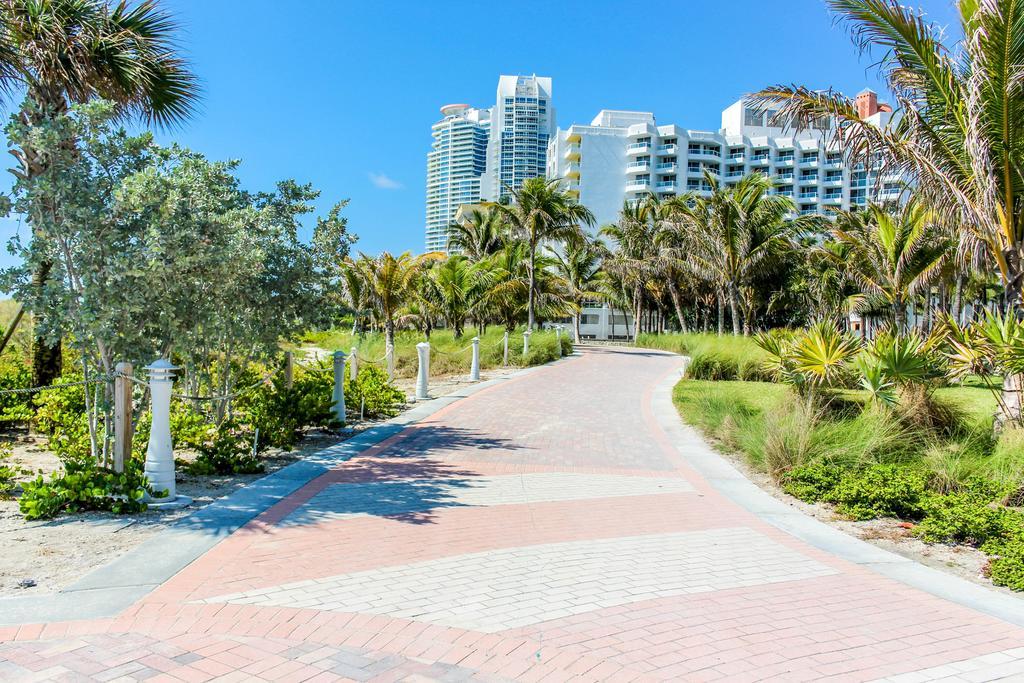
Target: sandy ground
(47, 555)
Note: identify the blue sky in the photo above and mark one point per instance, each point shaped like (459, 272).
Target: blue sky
(342, 93)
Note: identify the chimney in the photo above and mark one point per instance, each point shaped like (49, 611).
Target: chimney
(867, 103)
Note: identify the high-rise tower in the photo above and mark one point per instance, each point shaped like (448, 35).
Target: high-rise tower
(455, 164)
(522, 122)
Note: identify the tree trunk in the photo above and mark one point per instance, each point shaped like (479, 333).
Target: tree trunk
(899, 311)
(958, 299)
(677, 304)
(734, 310)
(637, 312)
(576, 326)
(530, 294)
(721, 312)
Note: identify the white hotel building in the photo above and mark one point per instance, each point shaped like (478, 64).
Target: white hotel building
(624, 155)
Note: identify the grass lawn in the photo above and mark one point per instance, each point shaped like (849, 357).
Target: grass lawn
(447, 355)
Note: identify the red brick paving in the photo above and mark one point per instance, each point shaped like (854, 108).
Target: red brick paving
(588, 416)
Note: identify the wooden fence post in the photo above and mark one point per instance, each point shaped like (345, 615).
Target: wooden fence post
(122, 415)
(289, 370)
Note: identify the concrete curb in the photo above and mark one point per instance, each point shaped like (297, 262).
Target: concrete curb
(113, 587)
(731, 483)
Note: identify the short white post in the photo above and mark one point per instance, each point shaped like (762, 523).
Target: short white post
(423, 354)
(474, 367)
(558, 339)
(338, 395)
(353, 359)
(526, 342)
(504, 358)
(159, 467)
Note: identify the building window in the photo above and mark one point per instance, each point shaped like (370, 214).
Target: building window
(752, 117)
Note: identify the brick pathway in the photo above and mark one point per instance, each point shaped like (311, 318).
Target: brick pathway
(542, 529)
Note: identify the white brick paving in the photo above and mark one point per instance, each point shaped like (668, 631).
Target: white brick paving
(410, 496)
(502, 589)
(1006, 665)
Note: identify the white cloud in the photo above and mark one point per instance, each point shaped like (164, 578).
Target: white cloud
(383, 182)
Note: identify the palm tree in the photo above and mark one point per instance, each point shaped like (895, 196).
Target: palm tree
(63, 52)
(480, 233)
(460, 284)
(541, 212)
(959, 119)
(729, 234)
(633, 256)
(389, 281)
(892, 254)
(579, 266)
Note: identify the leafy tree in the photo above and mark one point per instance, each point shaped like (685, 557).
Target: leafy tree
(892, 254)
(541, 212)
(388, 282)
(479, 234)
(729, 234)
(71, 51)
(579, 266)
(633, 256)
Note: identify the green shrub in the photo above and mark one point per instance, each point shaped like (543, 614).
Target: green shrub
(61, 416)
(372, 393)
(880, 491)
(15, 374)
(1007, 569)
(281, 413)
(812, 482)
(8, 473)
(962, 517)
(82, 487)
(228, 449)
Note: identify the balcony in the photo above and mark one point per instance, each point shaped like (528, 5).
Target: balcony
(784, 161)
(638, 185)
(833, 181)
(574, 138)
(736, 158)
(760, 159)
(638, 166)
(668, 149)
(638, 147)
(667, 186)
(784, 176)
(808, 212)
(785, 193)
(809, 163)
(808, 195)
(667, 168)
(572, 153)
(704, 152)
(574, 193)
(808, 178)
(833, 199)
(735, 174)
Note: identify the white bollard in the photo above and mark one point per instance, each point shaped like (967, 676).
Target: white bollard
(353, 359)
(526, 342)
(338, 395)
(504, 358)
(423, 353)
(159, 467)
(558, 339)
(474, 368)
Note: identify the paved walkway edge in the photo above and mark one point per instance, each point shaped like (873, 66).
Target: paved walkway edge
(113, 587)
(729, 481)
